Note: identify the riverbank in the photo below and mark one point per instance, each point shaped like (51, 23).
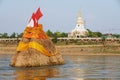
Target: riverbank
(73, 49)
(89, 50)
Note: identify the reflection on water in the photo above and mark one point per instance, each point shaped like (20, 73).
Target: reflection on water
(76, 68)
(36, 74)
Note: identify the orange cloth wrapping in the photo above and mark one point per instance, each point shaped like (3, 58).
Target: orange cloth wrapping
(35, 32)
(27, 32)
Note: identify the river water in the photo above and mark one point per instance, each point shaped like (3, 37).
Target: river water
(75, 68)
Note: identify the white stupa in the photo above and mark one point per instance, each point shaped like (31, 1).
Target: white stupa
(79, 30)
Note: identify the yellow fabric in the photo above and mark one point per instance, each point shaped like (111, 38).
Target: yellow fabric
(24, 46)
(39, 47)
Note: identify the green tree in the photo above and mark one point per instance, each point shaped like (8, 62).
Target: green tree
(13, 35)
(94, 34)
(57, 34)
(99, 34)
(89, 33)
(20, 35)
(64, 34)
(49, 33)
(116, 35)
(4, 35)
(0, 35)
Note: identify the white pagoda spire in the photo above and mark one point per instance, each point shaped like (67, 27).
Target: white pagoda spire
(80, 21)
(79, 29)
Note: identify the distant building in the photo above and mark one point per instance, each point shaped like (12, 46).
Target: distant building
(79, 30)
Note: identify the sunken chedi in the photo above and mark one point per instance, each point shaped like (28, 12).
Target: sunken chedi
(35, 48)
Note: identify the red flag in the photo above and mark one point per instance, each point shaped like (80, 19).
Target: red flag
(38, 14)
(35, 22)
(35, 17)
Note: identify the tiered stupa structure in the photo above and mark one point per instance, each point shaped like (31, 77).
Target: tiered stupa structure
(79, 30)
(35, 48)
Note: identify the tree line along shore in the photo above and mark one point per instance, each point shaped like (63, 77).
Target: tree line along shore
(58, 34)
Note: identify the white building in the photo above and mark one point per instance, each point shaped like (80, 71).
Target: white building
(79, 30)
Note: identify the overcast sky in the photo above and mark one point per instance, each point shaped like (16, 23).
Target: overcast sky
(61, 15)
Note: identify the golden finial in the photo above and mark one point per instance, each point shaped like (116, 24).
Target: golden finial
(79, 14)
